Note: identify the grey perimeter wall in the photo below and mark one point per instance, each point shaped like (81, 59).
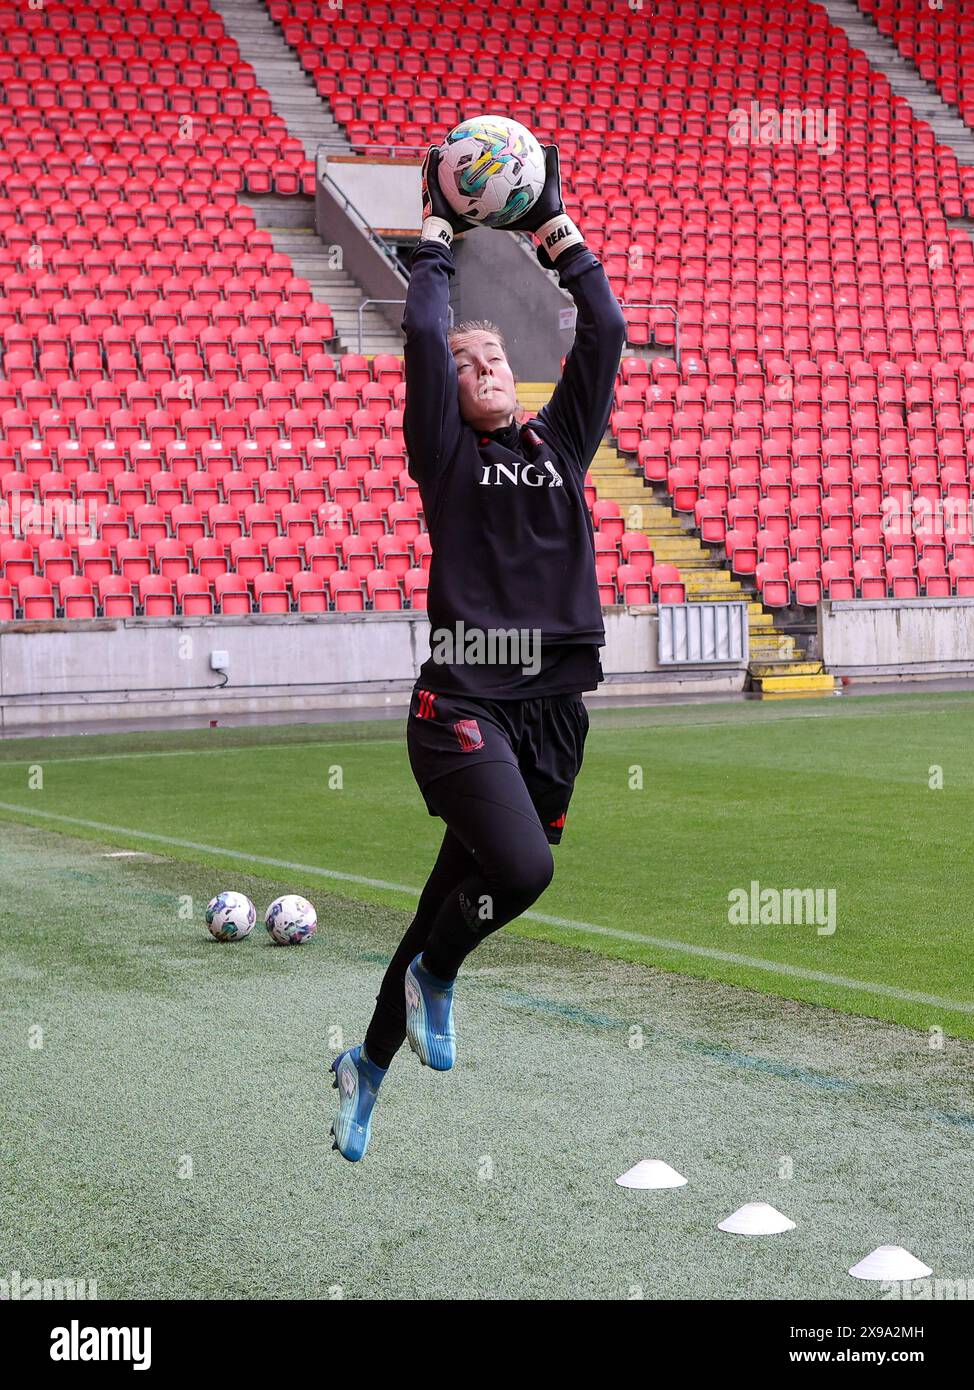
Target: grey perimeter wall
(898, 638)
(57, 674)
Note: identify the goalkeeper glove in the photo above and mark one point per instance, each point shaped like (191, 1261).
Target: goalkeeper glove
(546, 218)
(440, 222)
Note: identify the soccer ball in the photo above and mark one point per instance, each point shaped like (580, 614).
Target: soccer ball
(231, 916)
(492, 170)
(291, 920)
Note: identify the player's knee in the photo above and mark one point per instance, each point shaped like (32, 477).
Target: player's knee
(530, 872)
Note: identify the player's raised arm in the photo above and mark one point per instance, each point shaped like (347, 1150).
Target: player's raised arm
(579, 409)
(431, 416)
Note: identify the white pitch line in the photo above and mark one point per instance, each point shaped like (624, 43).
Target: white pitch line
(757, 721)
(756, 962)
(208, 849)
(194, 752)
(796, 972)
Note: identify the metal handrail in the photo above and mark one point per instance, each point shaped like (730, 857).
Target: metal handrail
(366, 226)
(366, 302)
(667, 308)
(367, 147)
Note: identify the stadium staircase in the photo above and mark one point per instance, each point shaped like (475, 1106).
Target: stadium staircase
(280, 74)
(290, 221)
(903, 77)
(778, 666)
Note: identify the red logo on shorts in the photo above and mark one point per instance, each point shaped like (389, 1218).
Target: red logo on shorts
(558, 824)
(427, 701)
(468, 735)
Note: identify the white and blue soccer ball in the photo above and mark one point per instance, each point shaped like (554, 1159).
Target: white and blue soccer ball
(291, 920)
(491, 170)
(231, 916)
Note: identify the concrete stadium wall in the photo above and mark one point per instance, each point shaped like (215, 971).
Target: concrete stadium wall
(56, 674)
(387, 192)
(898, 639)
(498, 278)
(373, 272)
(497, 274)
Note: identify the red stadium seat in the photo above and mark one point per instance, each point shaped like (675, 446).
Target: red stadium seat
(667, 585)
(36, 596)
(116, 595)
(415, 587)
(232, 594)
(77, 597)
(383, 590)
(193, 595)
(310, 592)
(346, 592)
(271, 593)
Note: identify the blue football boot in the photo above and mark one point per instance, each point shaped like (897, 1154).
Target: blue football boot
(429, 1017)
(358, 1080)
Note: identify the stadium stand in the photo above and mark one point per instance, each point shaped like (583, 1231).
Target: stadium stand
(163, 369)
(162, 364)
(939, 40)
(164, 372)
(825, 304)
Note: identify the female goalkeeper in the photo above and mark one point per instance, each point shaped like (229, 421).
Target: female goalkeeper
(497, 723)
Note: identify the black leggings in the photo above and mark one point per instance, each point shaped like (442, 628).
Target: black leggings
(494, 862)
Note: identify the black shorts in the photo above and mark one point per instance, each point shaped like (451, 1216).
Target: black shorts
(544, 738)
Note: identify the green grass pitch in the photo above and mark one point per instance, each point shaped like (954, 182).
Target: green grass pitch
(165, 1095)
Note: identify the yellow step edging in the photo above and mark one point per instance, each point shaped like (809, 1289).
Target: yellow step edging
(770, 670)
(787, 685)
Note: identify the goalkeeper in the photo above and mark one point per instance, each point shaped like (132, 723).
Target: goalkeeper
(495, 739)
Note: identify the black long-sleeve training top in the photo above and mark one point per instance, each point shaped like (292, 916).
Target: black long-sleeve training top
(512, 540)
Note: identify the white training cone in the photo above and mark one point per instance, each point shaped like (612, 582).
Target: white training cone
(651, 1172)
(890, 1262)
(756, 1219)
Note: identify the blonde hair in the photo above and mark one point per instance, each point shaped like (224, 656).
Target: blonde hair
(462, 330)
